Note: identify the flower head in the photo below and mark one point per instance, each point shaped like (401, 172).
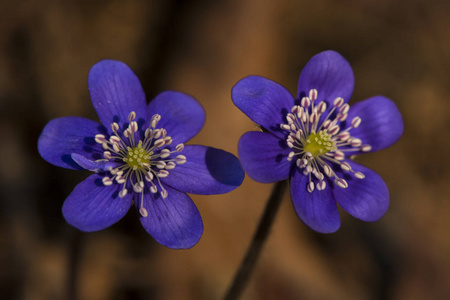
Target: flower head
(312, 139)
(138, 155)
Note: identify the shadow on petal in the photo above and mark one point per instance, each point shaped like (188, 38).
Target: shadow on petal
(224, 167)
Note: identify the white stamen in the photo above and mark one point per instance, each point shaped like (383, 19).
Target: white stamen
(338, 102)
(356, 121)
(344, 108)
(161, 164)
(290, 155)
(366, 148)
(346, 166)
(321, 185)
(143, 212)
(107, 155)
(100, 138)
(131, 116)
(115, 127)
(305, 102)
(133, 127)
(155, 120)
(123, 193)
(164, 153)
(170, 165)
(179, 147)
(359, 175)
(180, 159)
(313, 94)
(159, 143)
(107, 181)
(162, 174)
(341, 183)
(310, 187)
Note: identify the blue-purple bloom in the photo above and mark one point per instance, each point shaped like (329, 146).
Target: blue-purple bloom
(312, 138)
(138, 155)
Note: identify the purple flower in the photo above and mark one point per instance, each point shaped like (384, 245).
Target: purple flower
(138, 155)
(312, 138)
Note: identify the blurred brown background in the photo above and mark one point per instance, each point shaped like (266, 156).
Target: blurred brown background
(399, 49)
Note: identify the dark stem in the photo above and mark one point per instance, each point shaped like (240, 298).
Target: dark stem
(243, 274)
(74, 259)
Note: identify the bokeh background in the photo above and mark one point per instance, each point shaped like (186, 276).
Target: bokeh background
(399, 49)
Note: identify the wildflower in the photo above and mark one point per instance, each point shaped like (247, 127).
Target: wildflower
(312, 139)
(138, 155)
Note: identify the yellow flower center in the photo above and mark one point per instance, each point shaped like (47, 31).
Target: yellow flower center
(319, 143)
(137, 157)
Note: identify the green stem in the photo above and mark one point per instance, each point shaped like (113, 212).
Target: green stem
(243, 274)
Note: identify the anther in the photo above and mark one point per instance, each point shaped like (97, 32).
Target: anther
(107, 181)
(356, 121)
(344, 108)
(305, 102)
(162, 174)
(170, 165)
(180, 159)
(123, 193)
(160, 164)
(100, 138)
(313, 94)
(322, 107)
(310, 187)
(155, 120)
(131, 116)
(164, 153)
(143, 211)
(341, 183)
(179, 147)
(159, 143)
(149, 176)
(366, 148)
(107, 155)
(321, 185)
(346, 166)
(359, 175)
(114, 127)
(338, 102)
(133, 127)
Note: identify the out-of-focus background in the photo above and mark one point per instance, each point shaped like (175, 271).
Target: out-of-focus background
(399, 49)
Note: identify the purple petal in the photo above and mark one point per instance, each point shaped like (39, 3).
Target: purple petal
(330, 74)
(381, 122)
(264, 101)
(93, 206)
(174, 222)
(97, 166)
(318, 209)
(264, 156)
(115, 92)
(366, 199)
(207, 171)
(64, 136)
(181, 115)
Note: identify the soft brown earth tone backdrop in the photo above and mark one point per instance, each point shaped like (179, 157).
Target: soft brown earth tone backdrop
(399, 49)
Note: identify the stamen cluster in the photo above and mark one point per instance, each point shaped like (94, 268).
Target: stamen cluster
(139, 160)
(318, 142)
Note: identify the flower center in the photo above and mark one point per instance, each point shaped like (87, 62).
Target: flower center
(319, 143)
(319, 146)
(141, 164)
(137, 157)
